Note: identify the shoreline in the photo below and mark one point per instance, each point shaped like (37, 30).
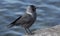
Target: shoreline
(53, 31)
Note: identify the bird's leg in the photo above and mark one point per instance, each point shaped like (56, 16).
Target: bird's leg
(29, 31)
(26, 31)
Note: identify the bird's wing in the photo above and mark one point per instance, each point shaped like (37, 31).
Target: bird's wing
(25, 19)
(13, 23)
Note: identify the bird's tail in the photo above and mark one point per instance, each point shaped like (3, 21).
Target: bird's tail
(14, 22)
(10, 25)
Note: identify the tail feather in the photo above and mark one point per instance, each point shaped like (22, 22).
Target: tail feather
(14, 22)
(10, 25)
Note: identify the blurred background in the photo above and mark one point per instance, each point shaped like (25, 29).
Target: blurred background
(48, 15)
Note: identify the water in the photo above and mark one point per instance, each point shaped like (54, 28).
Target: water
(48, 15)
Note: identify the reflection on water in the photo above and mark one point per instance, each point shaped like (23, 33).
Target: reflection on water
(48, 12)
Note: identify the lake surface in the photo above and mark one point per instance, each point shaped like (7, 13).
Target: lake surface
(48, 15)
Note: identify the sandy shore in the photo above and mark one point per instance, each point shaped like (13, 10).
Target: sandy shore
(53, 31)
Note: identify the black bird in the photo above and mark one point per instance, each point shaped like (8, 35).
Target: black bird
(27, 19)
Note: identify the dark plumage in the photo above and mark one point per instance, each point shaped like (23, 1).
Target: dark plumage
(27, 19)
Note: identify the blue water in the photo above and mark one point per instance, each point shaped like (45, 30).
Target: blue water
(48, 15)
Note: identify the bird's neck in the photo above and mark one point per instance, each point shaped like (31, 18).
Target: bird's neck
(29, 13)
(32, 14)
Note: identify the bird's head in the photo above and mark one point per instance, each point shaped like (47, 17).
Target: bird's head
(31, 8)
